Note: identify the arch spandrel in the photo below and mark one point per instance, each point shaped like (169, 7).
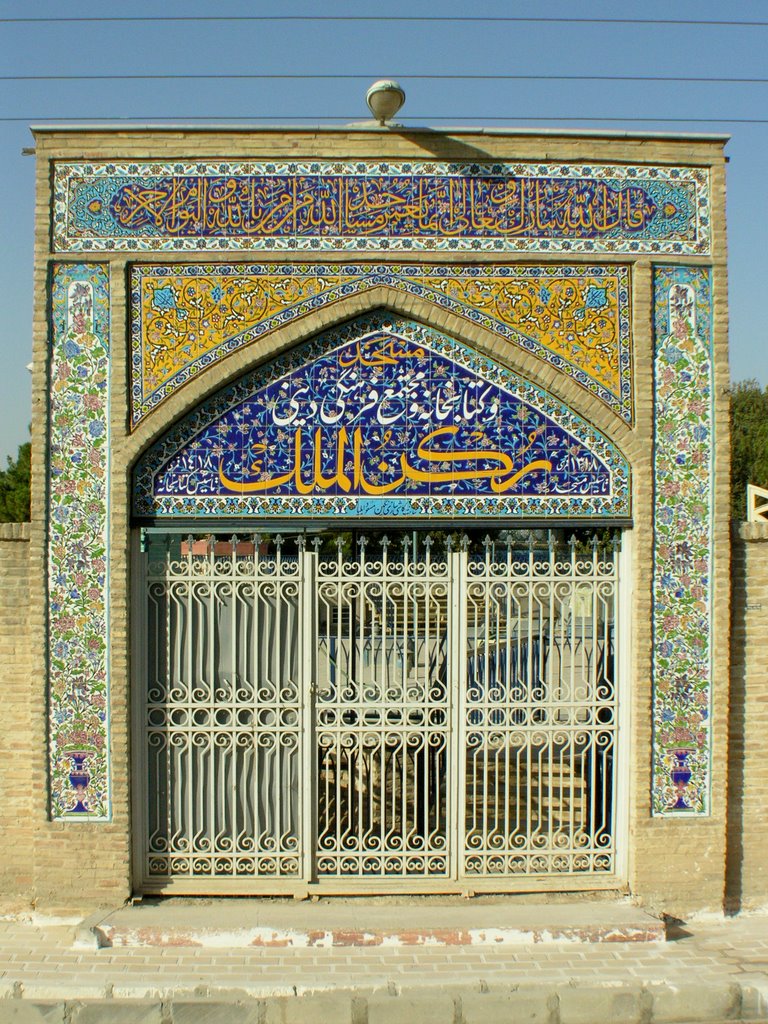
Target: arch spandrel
(382, 416)
(186, 319)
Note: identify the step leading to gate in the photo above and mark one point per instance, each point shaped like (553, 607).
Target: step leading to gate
(245, 923)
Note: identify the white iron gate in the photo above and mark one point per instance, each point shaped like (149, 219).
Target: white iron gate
(356, 711)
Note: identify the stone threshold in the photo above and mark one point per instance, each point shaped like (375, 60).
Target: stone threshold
(285, 924)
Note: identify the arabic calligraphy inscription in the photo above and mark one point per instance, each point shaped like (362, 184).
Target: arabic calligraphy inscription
(381, 409)
(406, 206)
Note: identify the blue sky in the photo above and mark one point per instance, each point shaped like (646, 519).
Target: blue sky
(394, 48)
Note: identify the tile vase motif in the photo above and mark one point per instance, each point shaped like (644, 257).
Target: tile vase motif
(683, 545)
(184, 318)
(398, 206)
(382, 417)
(78, 544)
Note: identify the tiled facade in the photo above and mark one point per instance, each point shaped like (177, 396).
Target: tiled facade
(185, 317)
(183, 336)
(383, 417)
(78, 542)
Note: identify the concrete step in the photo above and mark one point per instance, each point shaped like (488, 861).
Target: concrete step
(419, 921)
(446, 1004)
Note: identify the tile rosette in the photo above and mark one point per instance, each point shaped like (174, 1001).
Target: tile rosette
(185, 318)
(382, 417)
(683, 544)
(399, 206)
(77, 544)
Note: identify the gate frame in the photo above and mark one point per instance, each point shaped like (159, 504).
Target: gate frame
(302, 888)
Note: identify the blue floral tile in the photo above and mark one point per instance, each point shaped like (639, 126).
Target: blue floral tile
(78, 555)
(683, 523)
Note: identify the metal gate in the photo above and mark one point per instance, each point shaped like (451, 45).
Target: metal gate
(352, 711)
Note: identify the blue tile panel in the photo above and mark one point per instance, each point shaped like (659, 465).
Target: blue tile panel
(683, 541)
(77, 545)
(186, 317)
(502, 207)
(382, 417)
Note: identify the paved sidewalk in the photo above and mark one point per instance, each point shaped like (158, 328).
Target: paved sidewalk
(709, 970)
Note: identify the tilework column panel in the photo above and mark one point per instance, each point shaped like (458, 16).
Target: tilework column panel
(683, 555)
(78, 544)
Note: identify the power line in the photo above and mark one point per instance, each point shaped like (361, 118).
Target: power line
(228, 76)
(428, 19)
(355, 119)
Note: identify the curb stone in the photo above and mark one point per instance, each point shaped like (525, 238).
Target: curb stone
(688, 1004)
(562, 1003)
(22, 1012)
(118, 1013)
(627, 1004)
(426, 1008)
(207, 1012)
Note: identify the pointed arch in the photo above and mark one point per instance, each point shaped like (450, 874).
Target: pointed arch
(383, 416)
(187, 319)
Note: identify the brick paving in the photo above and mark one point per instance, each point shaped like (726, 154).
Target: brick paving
(39, 962)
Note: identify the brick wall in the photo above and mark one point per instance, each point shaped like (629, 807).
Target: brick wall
(747, 862)
(19, 691)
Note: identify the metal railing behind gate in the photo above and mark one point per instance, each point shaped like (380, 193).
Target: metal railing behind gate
(223, 710)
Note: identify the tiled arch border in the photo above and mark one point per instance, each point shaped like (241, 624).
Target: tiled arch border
(125, 452)
(429, 342)
(295, 332)
(328, 283)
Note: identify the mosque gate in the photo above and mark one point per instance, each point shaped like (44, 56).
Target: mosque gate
(441, 378)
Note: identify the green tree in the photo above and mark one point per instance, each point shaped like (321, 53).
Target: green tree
(749, 442)
(14, 487)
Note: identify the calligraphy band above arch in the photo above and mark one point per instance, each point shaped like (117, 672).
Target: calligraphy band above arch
(185, 318)
(193, 206)
(382, 416)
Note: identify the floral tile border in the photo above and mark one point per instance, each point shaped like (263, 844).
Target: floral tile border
(78, 484)
(460, 206)
(151, 499)
(683, 544)
(185, 318)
